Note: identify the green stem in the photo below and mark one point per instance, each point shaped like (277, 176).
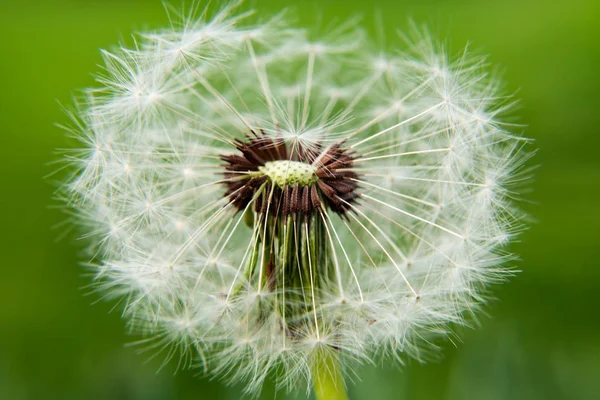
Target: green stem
(327, 378)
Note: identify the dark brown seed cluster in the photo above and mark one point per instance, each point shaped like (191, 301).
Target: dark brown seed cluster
(335, 185)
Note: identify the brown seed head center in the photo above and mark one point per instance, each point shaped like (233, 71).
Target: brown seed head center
(295, 180)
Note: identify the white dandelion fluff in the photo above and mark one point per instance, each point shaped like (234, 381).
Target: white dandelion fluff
(271, 204)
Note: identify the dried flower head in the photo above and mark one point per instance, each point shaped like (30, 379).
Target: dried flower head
(270, 203)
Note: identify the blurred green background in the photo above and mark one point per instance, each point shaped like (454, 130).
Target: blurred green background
(542, 339)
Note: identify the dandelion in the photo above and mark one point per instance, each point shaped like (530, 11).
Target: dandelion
(269, 203)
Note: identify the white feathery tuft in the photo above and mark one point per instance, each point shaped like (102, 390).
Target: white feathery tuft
(437, 171)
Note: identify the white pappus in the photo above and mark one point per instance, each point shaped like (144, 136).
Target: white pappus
(264, 199)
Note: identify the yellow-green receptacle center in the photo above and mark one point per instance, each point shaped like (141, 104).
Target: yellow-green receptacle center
(283, 173)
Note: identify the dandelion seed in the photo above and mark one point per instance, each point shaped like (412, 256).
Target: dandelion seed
(266, 203)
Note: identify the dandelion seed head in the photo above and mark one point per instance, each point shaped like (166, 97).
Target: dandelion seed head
(262, 196)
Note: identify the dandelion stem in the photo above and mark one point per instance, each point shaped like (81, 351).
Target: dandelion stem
(327, 378)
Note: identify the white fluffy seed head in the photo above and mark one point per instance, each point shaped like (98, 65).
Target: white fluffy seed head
(437, 171)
